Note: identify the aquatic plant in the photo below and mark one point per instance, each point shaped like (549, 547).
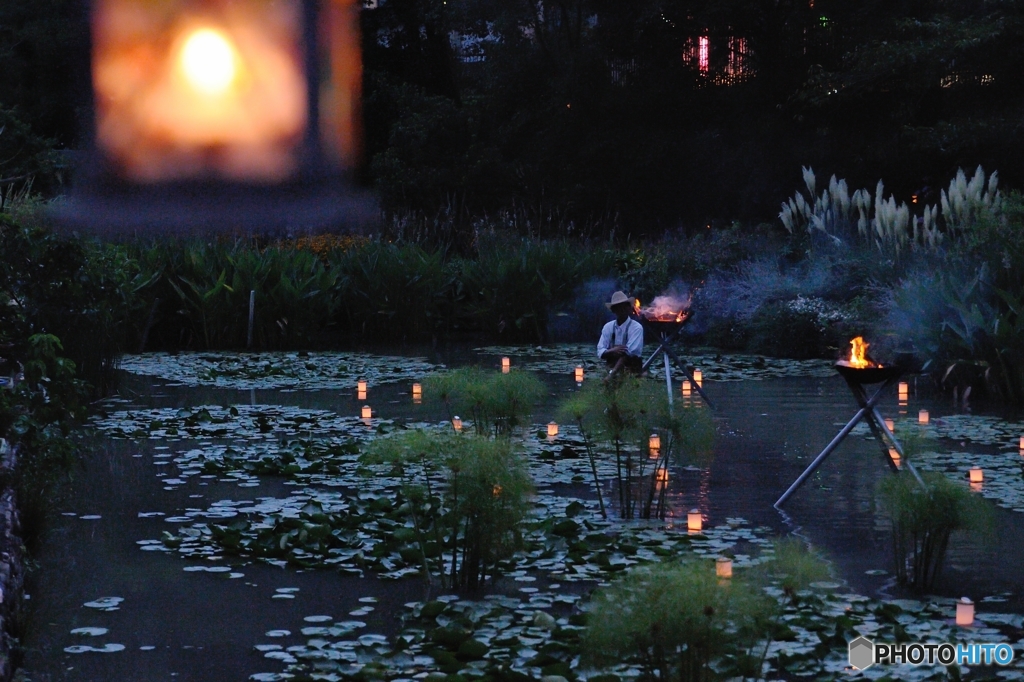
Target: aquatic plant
(496, 402)
(923, 520)
(678, 620)
(622, 414)
(468, 494)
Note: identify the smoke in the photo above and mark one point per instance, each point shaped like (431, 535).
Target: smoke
(582, 318)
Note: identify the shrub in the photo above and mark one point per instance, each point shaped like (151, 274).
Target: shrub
(623, 414)
(923, 521)
(468, 494)
(496, 402)
(677, 620)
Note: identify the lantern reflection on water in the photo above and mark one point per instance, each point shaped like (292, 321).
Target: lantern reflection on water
(239, 110)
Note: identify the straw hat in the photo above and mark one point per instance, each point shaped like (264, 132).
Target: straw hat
(617, 298)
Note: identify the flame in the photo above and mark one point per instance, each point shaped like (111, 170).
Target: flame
(859, 354)
(667, 308)
(636, 305)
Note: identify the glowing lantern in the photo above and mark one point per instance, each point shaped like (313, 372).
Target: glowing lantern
(922, 417)
(654, 443)
(360, 395)
(1022, 442)
(976, 475)
(965, 612)
(457, 423)
(251, 107)
(895, 455)
(694, 522)
(579, 374)
(506, 365)
(904, 390)
(366, 412)
(723, 567)
(552, 429)
(361, 386)
(890, 424)
(661, 476)
(417, 394)
(698, 378)
(685, 387)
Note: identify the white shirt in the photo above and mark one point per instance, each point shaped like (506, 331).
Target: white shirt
(629, 334)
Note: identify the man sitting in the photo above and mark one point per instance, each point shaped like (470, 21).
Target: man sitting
(622, 339)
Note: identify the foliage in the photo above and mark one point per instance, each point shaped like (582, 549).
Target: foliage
(677, 620)
(468, 494)
(83, 292)
(623, 414)
(513, 283)
(495, 402)
(38, 416)
(923, 521)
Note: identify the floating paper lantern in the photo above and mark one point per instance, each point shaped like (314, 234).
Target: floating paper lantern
(654, 442)
(698, 378)
(686, 394)
(965, 612)
(366, 412)
(579, 374)
(694, 522)
(1022, 442)
(904, 390)
(922, 417)
(552, 429)
(457, 423)
(723, 567)
(890, 424)
(361, 386)
(506, 365)
(976, 475)
(895, 455)
(417, 394)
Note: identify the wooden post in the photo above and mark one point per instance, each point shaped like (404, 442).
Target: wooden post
(252, 313)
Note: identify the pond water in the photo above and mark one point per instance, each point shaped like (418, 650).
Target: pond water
(105, 605)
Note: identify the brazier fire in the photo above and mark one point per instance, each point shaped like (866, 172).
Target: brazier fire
(666, 317)
(859, 370)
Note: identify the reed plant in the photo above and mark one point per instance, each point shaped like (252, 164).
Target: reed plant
(923, 521)
(678, 621)
(467, 494)
(495, 402)
(620, 416)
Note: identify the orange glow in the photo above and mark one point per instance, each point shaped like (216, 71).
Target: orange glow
(922, 417)
(506, 365)
(665, 309)
(890, 424)
(965, 612)
(723, 567)
(904, 390)
(858, 354)
(895, 455)
(366, 412)
(360, 395)
(552, 429)
(456, 423)
(694, 522)
(977, 475)
(194, 90)
(579, 374)
(417, 389)
(662, 476)
(654, 442)
(497, 490)
(361, 386)
(685, 388)
(698, 378)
